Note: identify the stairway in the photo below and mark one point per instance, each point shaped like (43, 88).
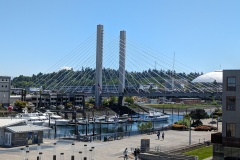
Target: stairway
(120, 110)
(142, 108)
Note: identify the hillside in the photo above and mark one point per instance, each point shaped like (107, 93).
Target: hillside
(86, 76)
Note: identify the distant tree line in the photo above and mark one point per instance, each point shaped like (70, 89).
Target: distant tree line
(86, 76)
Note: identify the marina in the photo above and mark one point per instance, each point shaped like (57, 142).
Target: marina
(154, 80)
(104, 128)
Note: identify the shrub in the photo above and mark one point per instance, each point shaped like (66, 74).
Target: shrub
(178, 127)
(197, 123)
(145, 126)
(184, 122)
(205, 128)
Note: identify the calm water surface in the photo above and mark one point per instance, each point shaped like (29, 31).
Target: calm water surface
(104, 128)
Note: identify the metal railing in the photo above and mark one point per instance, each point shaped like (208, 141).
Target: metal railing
(103, 136)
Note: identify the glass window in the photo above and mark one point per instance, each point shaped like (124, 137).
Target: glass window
(230, 129)
(231, 83)
(231, 103)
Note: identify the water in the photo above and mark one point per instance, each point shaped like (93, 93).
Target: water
(105, 128)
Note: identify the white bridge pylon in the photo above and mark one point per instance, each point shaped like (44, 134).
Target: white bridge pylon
(99, 65)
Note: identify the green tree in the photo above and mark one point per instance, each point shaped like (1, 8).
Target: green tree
(50, 82)
(91, 100)
(112, 100)
(214, 102)
(69, 105)
(1, 106)
(184, 121)
(198, 114)
(89, 105)
(29, 107)
(215, 83)
(20, 104)
(105, 102)
(145, 126)
(129, 100)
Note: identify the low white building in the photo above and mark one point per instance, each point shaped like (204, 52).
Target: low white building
(14, 132)
(6, 122)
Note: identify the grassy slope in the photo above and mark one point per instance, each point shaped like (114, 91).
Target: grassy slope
(202, 153)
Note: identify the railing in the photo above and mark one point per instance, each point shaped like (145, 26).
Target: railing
(103, 136)
(156, 153)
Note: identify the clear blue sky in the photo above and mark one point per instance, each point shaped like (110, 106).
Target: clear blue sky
(204, 34)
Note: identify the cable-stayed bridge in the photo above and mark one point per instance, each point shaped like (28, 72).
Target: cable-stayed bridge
(105, 65)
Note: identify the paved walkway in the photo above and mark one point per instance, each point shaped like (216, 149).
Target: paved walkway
(111, 150)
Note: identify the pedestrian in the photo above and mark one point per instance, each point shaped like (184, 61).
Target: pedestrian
(136, 154)
(163, 135)
(125, 154)
(158, 134)
(138, 151)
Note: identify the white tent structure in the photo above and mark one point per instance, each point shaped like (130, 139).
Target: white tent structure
(210, 77)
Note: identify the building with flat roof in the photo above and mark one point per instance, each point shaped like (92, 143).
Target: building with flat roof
(14, 132)
(5, 89)
(226, 145)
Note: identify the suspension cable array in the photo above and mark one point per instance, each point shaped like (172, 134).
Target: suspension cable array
(147, 70)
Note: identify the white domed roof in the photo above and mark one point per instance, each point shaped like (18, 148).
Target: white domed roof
(209, 77)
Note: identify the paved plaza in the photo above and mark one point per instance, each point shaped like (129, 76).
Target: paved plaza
(110, 150)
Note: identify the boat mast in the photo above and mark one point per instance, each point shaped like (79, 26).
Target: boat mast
(173, 72)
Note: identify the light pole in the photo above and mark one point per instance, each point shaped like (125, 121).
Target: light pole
(190, 131)
(93, 122)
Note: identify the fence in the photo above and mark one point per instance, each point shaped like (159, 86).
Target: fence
(104, 136)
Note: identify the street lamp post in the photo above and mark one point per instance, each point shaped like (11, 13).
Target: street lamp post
(100, 132)
(93, 122)
(93, 126)
(86, 127)
(190, 131)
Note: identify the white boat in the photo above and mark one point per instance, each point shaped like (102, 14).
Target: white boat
(156, 116)
(31, 118)
(54, 119)
(81, 120)
(118, 119)
(105, 118)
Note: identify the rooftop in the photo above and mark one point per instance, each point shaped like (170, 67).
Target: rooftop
(5, 122)
(27, 128)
